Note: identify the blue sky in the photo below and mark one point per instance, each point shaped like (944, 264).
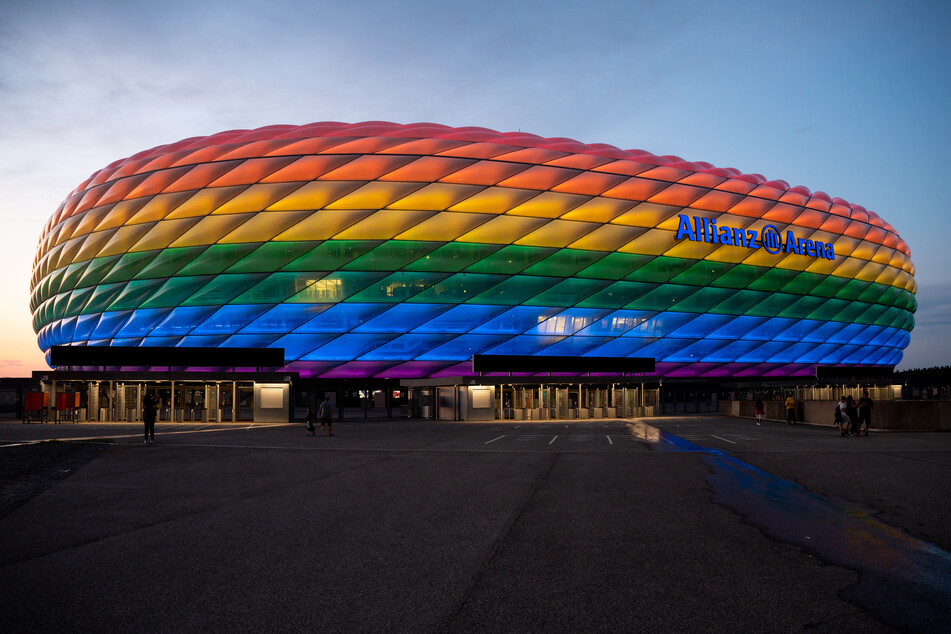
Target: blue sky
(850, 98)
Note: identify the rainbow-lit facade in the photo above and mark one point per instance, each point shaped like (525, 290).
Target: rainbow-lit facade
(385, 250)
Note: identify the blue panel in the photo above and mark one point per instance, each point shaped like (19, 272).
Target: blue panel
(661, 325)
(142, 322)
(160, 342)
(732, 351)
(860, 355)
(662, 349)
(569, 321)
(463, 347)
(697, 351)
(342, 317)
(517, 320)
(809, 353)
(109, 324)
(822, 333)
(406, 347)
(462, 318)
(182, 320)
(900, 339)
(84, 326)
(848, 334)
(284, 318)
(228, 320)
(402, 318)
(56, 333)
(132, 341)
(822, 353)
(69, 326)
(792, 352)
(765, 352)
(800, 330)
(524, 344)
(771, 330)
(875, 335)
(201, 341)
(248, 341)
(347, 347)
(617, 323)
(739, 327)
(701, 326)
(621, 347)
(574, 346)
(296, 346)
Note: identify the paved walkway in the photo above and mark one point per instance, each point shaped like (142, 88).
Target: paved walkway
(691, 524)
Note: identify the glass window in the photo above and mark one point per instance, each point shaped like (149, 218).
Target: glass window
(331, 255)
(405, 347)
(175, 290)
(143, 321)
(663, 297)
(702, 326)
(249, 341)
(741, 276)
(660, 269)
(201, 341)
(182, 320)
(617, 294)
(770, 329)
(347, 347)
(621, 347)
(72, 275)
(134, 294)
(109, 324)
(336, 287)
(703, 299)
(275, 288)
(101, 297)
(514, 290)
(617, 323)
(739, 302)
(806, 306)
(661, 325)
(574, 345)
(664, 349)
(84, 326)
(298, 345)
(773, 279)
(565, 262)
(702, 273)
(524, 345)
(732, 351)
(802, 284)
(697, 351)
(568, 322)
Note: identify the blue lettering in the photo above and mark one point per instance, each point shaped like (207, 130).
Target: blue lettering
(713, 231)
(751, 238)
(685, 231)
(726, 236)
(791, 246)
(829, 252)
(811, 248)
(739, 238)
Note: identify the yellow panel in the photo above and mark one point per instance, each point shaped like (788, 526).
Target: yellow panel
(883, 255)
(257, 198)
(762, 257)
(653, 242)
(92, 218)
(864, 250)
(548, 205)
(689, 249)
(163, 233)
(204, 201)
(730, 254)
(264, 226)
(67, 254)
(446, 225)
(794, 262)
(903, 280)
(870, 272)
(599, 210)
(557, 233)
(93, 243)
(384, 224)
(120, 213)
(124, 238)
(374, 195)
(494, 200)
(158, 207)
(899, 261)
(322, 225)
(823, 266)
(210, 229)
(436, 197)
(607, 238)
(502, 230)
(888, 276)
(68, 227)
(650, 215)
(844, 245)
(848, 268)
(315, 195)
(820, 236)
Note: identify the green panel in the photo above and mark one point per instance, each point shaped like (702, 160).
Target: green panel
(276, 287)
(852, 290)
(101, 297)
(217, 258)
(97, 268)
(336, 287)
(331, 255)
(565, 263)
(739, 302)
(811, 307)
(829, 286)
(514, 290)
(802, 284)
(614, 266)
(880, 294)
(59, 305)
(134, 294)
(271, 256)
(702, 300)
(741, 276)
(77, 300)
(511, 259)
(398, 287)
(773, 280)
(453, 257)
(567, 292)
(660, 269)
(872, 314)
(910, 302)
(852, 312)
(73, 274)
(772, 304)
(459, 288)
(392, 255)
(169, 261)
(175, 290)
(222, 289)
(56, 280)
(618, 294)
(128, 265)
(896, 319)
(703, 273)
(663, 297)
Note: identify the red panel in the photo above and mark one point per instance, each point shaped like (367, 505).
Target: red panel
(677, 195)
(366, 168)
(716, 201)
(426, 169)
(201, 175)
(628, 168)
(664, 173)
(810, 218)
(781, 212)
(308, 168)
(539, 177)
(484, 173)
(751, 207)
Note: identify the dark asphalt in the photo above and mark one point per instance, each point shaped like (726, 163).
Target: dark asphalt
(415, 526)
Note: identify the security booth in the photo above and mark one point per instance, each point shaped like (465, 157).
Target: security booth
(192, 385)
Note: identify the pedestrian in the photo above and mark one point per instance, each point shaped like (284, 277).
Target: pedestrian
(759, 411)
(326, 413)
(790, 410)
(842, 417)
(149, 405)
(853, 413)
(311, 419)
(865, 411)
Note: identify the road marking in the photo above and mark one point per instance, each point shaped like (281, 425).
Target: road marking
(609, 439)
(553, 440)
(723, 439)
(494, 439)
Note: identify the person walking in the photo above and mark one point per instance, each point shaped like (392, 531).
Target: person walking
(311, 418)
(326, 413)
(759, 411)
(842, 417)
(865, 411)
(790, 410)
(853, 413)
(149, 406)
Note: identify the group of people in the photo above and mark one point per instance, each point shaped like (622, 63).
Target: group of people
(325, 412)
(790, 406)
(850, 416)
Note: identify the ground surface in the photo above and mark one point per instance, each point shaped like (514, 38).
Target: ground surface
(689, 524)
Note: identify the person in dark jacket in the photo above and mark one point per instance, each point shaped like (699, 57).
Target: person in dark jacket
(853, 413)
(865, 411)
(149, 407)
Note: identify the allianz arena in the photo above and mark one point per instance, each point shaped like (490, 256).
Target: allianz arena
(400, 251)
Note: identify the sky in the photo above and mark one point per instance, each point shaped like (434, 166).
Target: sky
(847, 97)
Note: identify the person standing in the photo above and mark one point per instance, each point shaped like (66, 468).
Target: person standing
(842, 417)
(311, 418)
(790, 410)
(326, 414)
(865, 411)
(759, 411)
(853, 413)
(149, 406)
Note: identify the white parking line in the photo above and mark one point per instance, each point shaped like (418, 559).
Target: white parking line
(723, 439)
(553, 440)
(609, 439)
(494, 439)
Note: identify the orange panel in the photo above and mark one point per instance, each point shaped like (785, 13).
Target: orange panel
(157, 182)
(702, 180)
(834, 224)
(635, 189)
(365, 145)
(810, 218)
(607, 238)
(782, 212)
(323, 225)
(158, 207)
(374, 195)
(163, 233)
(478, 150)
(366, 168)
(557, 233)
(794, 199)
(646, 215)
(121, 213)
(384, 225)
(206, 154)
(818, 203)
(484, 173)
(625, 167)
(424, 147)
(875, 235)
(263, 226)
(445, 225)
(201, 175)
(533, 155)
(735, 186)
(539, 177)
(426, 169)
(599, 210)
(579, 161)
(502, 230)
(856, 229)
(678, 195)
(256, 198)
(763, 191)
(308, 146)
(494, 200)
(251, 171)
(716, 201)
(548, 205)
(254, 149)
(204, 201)
(89, 200)
(436, 196)
(164, 161)
(665, 173)
(751, 207)
(589, 184)
(308, 168)
(120, 189)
